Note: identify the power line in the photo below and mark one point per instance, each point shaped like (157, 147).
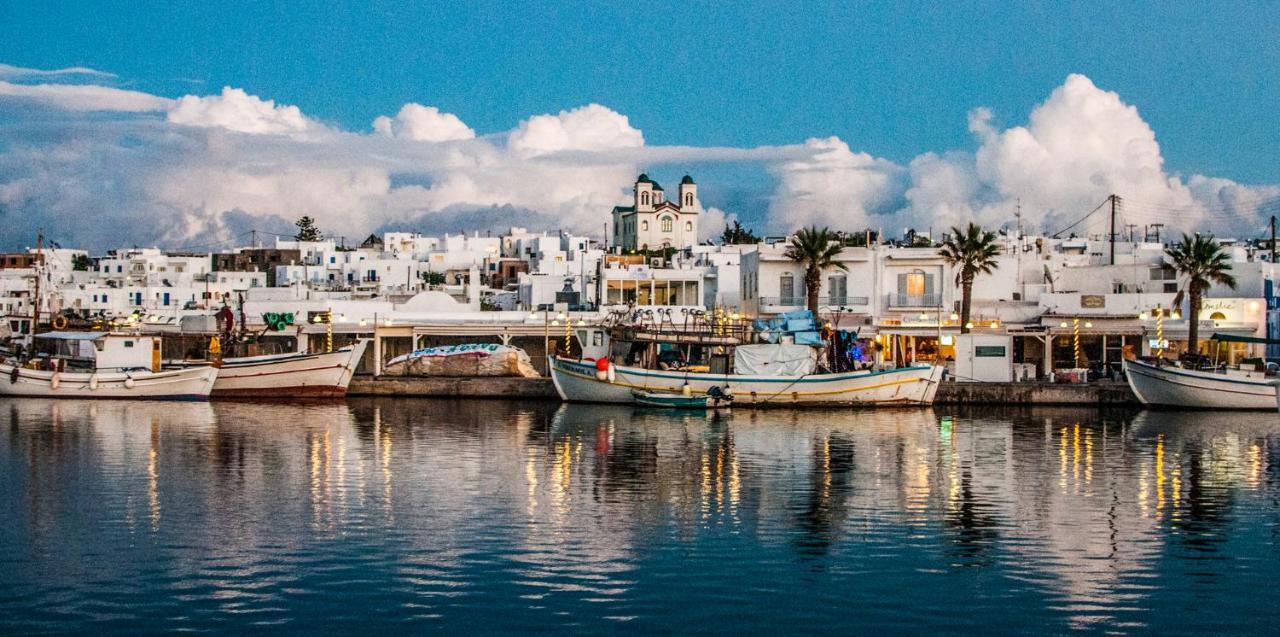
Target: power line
(1104, 202)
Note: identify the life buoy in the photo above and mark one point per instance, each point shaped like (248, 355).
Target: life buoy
(55, 381)
(128, 382)
(93, 382)
(60, 322)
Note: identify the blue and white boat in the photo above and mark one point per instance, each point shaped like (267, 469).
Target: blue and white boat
(713, 361)
(1172, 386)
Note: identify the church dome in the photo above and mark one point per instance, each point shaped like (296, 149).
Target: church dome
(687, 180)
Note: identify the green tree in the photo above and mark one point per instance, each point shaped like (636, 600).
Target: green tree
(971, 251)
(433, 278)
(816, 249)
(307, 230)
(81, 262)
(1204, 263)
(737, 234)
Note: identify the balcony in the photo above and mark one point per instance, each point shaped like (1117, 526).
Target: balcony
(915, 300)
(787, 303)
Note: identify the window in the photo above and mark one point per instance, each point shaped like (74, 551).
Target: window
(1163, 274)
(666, 224)
(644, 198)
(786, 288)
(688, 226)
(837, 289)
(915, 284)
(644, 225)
(688, 199)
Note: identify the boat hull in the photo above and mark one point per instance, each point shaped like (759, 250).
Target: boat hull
(183, 384)
(1184, 388)
(576, 382)
(290, 376)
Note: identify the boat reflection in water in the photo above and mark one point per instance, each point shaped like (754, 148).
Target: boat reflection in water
(378, 514)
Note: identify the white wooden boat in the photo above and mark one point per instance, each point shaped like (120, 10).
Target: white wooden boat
(578, 381)
(115, 366)
(1170, 386)
(297, 375)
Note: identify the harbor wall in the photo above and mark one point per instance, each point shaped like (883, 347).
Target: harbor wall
(1102, 394)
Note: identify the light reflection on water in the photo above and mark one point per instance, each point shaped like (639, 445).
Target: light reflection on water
(381, 514)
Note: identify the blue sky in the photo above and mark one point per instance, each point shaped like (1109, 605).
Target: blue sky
(893, 80)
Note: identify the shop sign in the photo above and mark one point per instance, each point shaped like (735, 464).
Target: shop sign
(989, 351)
(1093, 301)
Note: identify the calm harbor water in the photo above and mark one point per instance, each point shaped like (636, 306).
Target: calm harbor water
(399, 514)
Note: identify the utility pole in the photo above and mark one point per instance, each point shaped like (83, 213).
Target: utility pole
(1273, 238)
(1131, 227)
(1115, 202)
(1157, 227)
(253, 240)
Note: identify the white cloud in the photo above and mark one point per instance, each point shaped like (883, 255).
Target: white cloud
(592, 127)
(196, 177)
(424, 124)
(238, 111)
(17, 72)
(833, 187)
(85, 97)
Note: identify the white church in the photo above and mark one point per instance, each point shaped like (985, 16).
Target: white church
(653, 222)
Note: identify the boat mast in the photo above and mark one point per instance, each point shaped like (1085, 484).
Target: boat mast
(35, 301)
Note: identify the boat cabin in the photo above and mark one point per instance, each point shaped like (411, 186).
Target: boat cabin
(100, 350)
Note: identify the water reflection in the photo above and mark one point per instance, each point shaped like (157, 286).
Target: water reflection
(369, 514)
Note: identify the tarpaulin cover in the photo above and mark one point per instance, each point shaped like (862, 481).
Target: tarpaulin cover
(473, 359)
(774, 360)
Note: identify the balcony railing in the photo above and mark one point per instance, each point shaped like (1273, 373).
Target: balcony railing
(915, 300)
(823, 301)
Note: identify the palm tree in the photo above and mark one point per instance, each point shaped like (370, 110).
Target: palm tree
(971, 252)
(1204, 263)
(816, 248)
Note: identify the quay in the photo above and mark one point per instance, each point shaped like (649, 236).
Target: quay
(1099, 393)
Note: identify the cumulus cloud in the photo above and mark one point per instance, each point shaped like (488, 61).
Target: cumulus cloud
(834, 186)
(102, 167)
(423, 124)
(236, 110)
(592, 127)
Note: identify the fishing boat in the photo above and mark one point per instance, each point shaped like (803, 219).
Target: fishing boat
(296, 375)
(102, 365)
(701, 360)
(1167, 385)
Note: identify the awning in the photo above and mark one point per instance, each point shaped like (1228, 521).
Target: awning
(1232, 338)
(72, 336)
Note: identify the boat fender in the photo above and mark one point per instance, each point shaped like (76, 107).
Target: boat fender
(128, 382)
(602, 369)
(686, 390)
(13, 374)
(93, 382)
(611, 374)
(55, 381)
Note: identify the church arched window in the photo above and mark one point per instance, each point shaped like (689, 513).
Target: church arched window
(666, 224)
(644, 198)
(644, 225)
(688, 199)
(688, 226)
